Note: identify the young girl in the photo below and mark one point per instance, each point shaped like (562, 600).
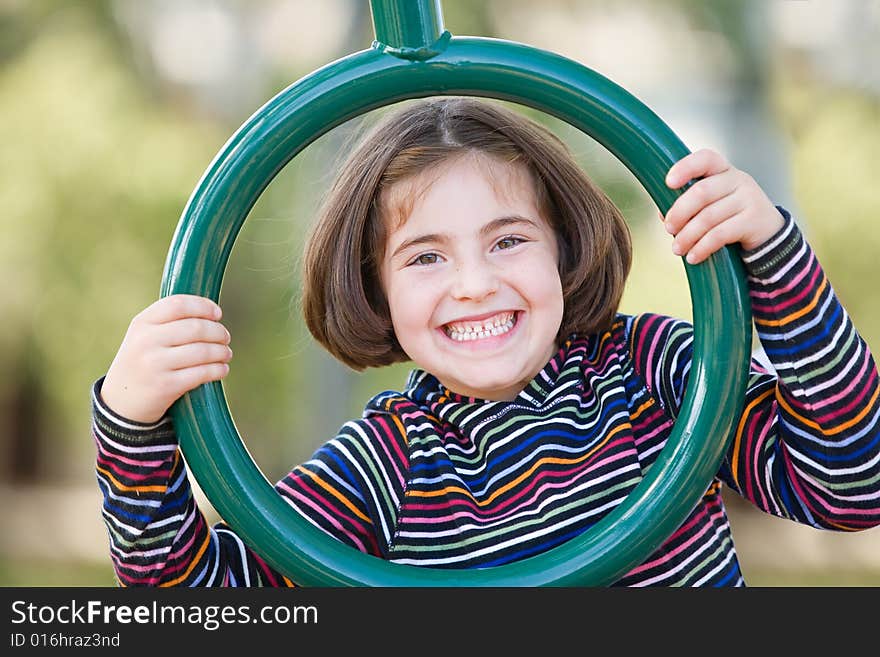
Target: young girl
(464, 238)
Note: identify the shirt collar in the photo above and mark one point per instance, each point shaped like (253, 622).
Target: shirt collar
(425, 389)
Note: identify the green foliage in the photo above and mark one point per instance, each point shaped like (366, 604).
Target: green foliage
(93, 175)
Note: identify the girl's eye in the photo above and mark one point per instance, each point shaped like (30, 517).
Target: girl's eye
(508, 242)
(425, 259)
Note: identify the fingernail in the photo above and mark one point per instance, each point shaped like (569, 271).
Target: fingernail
(669, 227)
(691, 258)
(676, 249)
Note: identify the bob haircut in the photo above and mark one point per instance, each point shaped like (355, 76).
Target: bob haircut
(344, 305)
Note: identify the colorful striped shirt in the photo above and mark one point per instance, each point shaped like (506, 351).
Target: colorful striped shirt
(430, 478)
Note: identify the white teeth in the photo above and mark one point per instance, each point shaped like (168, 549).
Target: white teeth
(498, 325)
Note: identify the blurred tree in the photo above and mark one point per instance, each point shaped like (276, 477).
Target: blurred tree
(90, 173)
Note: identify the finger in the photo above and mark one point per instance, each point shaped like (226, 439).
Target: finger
(192, 329)
(195, 354)
(178, 306)
(723, 234)
(192, 377)
(698, 164)
(705, 220)
(698, 196)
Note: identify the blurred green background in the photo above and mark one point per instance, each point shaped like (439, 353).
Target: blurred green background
(111, 110)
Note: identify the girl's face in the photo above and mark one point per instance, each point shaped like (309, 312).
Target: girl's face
(471, 276)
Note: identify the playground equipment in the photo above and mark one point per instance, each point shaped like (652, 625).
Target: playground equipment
(413, 56)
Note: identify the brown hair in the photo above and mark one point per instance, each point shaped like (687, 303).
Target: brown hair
(344, 306)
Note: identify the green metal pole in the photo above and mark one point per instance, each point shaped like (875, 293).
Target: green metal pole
(410, 29)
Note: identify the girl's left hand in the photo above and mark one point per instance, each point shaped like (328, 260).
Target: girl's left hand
(724, 206)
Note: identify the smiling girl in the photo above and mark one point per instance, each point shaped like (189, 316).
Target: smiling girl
(464, 238)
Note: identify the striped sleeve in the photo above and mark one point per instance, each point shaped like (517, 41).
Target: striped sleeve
(351, 488)
(807, 445)
(157, 534)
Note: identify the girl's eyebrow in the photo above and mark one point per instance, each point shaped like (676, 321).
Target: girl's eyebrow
(492, 226)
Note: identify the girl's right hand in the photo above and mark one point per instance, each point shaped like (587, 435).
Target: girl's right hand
(174, 345)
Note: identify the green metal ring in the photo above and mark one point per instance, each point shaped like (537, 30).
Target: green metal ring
(491, 68)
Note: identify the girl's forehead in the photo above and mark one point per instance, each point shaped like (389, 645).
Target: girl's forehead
(507, 179)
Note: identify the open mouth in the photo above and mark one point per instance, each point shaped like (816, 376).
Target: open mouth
(480, 330)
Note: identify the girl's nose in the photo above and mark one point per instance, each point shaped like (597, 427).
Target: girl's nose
(474, 281)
